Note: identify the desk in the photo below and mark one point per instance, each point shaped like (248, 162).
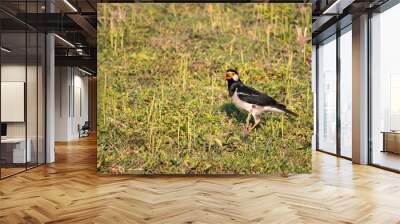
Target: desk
(18, 150)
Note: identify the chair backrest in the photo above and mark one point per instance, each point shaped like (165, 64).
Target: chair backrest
(86, 125)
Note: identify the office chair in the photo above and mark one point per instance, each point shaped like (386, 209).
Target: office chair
(84, 130)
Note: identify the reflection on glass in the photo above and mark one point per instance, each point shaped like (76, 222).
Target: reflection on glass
(22, 90)
(346, 93)
(41, 99)
(327, 96)
(385, 114)
(31, 100)
(14, 153)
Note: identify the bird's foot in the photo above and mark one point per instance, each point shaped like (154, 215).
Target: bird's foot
(246, 131)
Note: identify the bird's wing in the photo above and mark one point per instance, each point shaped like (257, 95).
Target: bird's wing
(253, 96)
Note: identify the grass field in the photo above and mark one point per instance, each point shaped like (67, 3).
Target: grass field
(163, 105)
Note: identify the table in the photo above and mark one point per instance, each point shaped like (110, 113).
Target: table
(391, 141)
(17, 150)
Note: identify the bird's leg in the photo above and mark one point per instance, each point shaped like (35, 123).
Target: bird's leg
(248, 121)
(257, 120)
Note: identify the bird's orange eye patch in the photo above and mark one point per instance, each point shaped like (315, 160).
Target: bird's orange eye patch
(228, 75)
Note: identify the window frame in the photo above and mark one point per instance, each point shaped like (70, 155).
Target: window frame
(338, 33)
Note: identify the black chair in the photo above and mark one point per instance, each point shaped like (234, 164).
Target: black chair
(84, 130)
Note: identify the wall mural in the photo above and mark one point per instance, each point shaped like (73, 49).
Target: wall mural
(204, 89)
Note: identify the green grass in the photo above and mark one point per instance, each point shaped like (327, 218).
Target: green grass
(163, 106)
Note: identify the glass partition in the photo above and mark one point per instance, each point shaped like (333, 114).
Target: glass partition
(41, 96)
(13, 94)
(346, 92)
(22, 78)
(385, 89)
(327, 95)
(31, 99)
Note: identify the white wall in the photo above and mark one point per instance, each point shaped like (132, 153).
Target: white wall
(33, 127)
(13, 72)
(71, 87)
(62, 81)
(10, 73)
(16, 73)
(80, 102)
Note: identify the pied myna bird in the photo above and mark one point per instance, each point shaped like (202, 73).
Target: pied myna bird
(251, 100)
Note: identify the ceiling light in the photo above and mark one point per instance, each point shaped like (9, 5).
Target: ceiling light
(5, 50)
(338, 6)
(80, 51)
(84, 71)
(65, 41)
(70, 5)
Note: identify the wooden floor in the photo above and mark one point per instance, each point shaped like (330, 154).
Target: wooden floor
(69, 191)
(386, 159)
(10, 171)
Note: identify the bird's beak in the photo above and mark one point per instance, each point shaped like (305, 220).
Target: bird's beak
(227, 76)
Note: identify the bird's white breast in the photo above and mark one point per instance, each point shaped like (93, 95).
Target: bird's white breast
(240, 103)
(255, 109)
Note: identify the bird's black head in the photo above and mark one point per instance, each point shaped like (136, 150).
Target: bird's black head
(231, 75)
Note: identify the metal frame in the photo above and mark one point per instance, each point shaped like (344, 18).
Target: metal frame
(380, 9)
(369, 113)
(337, 34)
(37, 91)
(316, 97)
(389, 4)
(338, 75)
(0, 90)
(44, 74)
(26, 90)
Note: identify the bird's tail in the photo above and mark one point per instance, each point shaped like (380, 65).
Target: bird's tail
(285, 110)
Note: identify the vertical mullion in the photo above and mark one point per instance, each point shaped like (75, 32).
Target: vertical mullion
(45, 95)
(0, 93)
(26, 86)
(45, 87)
(60, 86)
(369, 89)
(338, 73)
(69, 92)
(37, 90)
(73, 92)
(317, 96)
